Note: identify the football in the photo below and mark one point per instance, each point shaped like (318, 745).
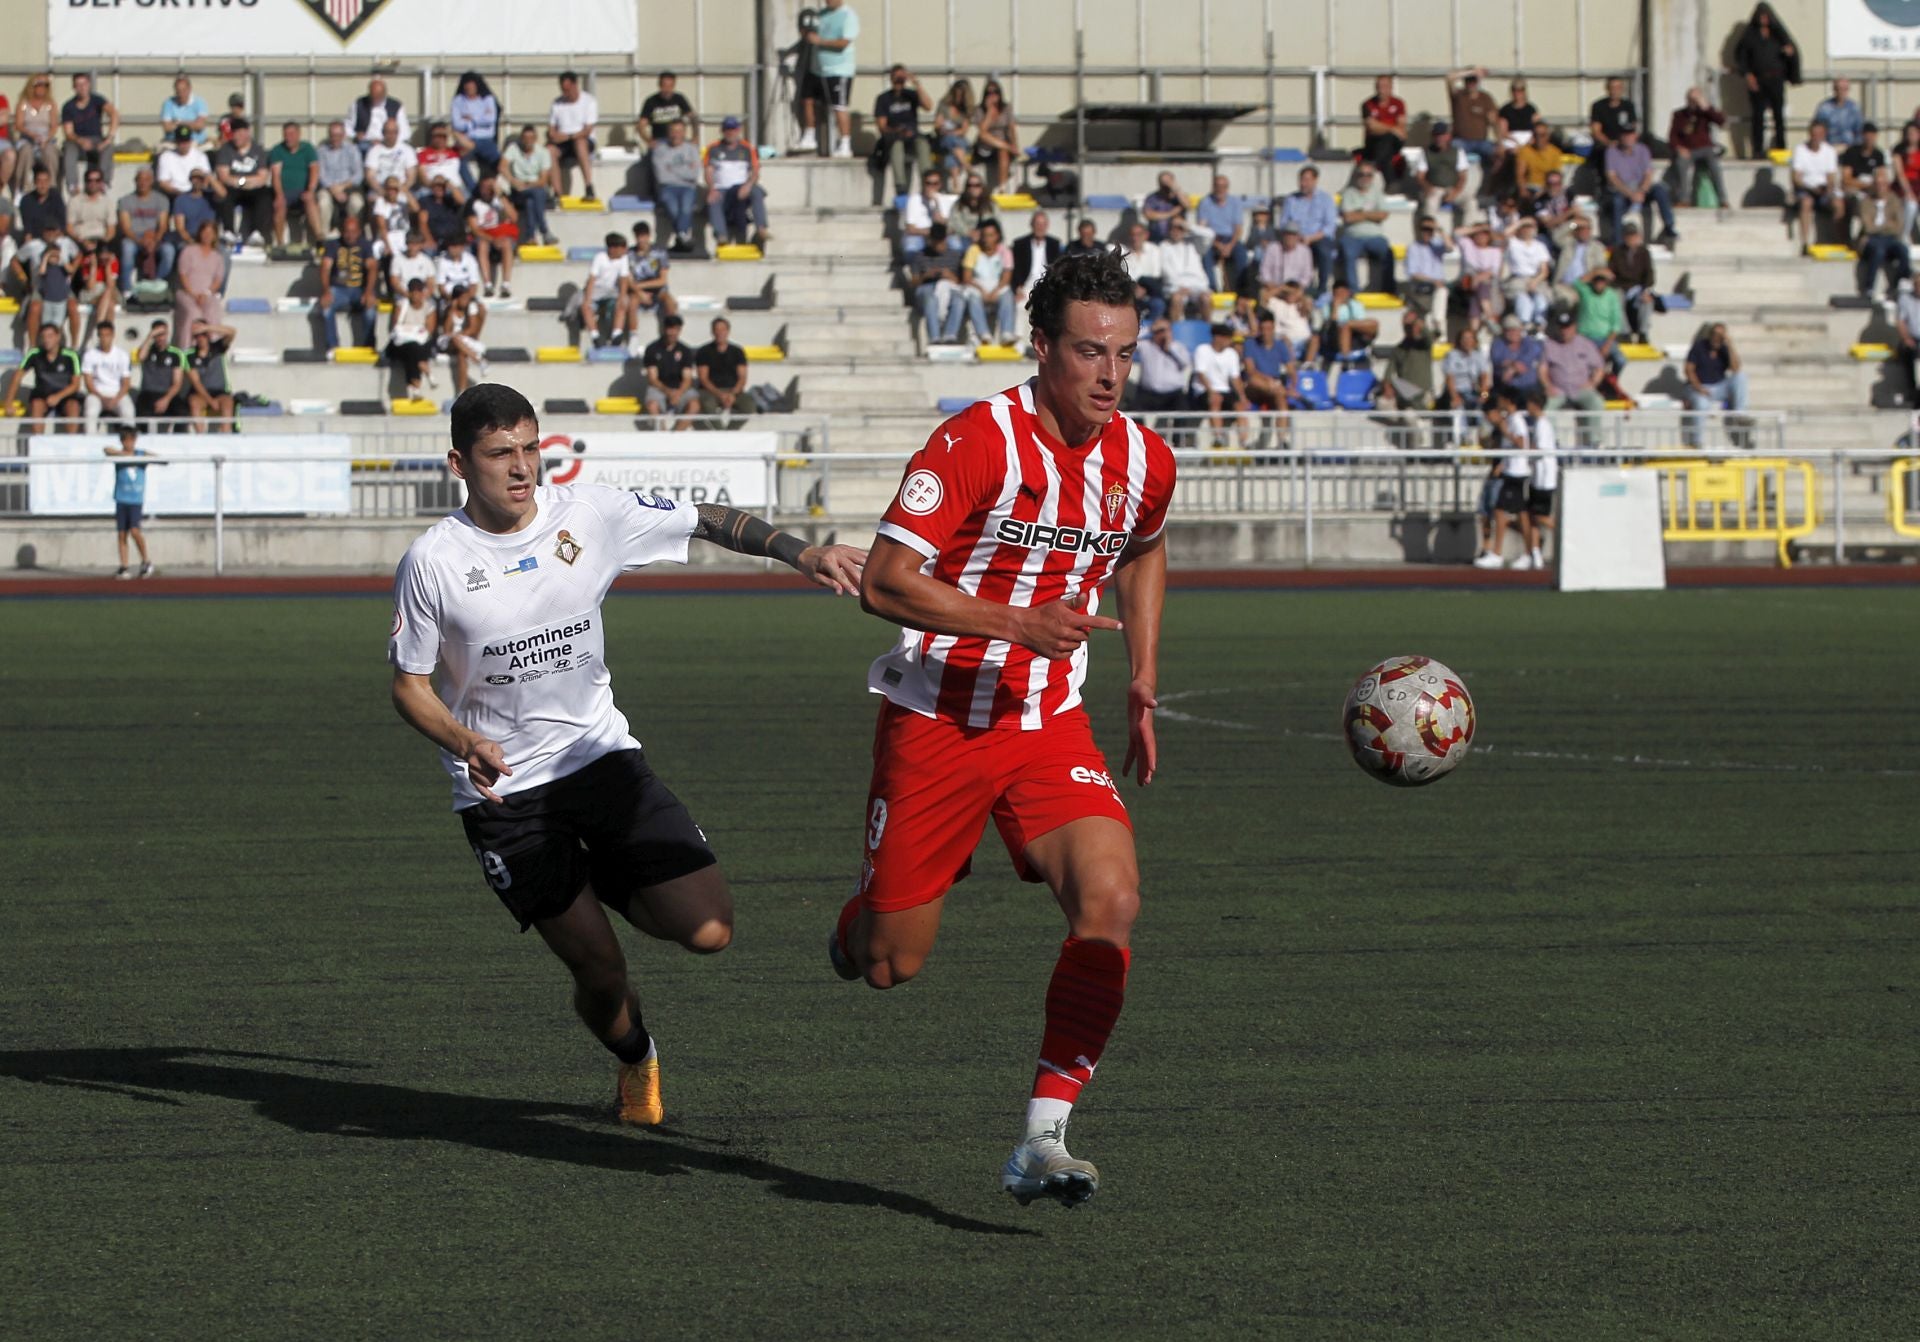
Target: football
(1408, 721)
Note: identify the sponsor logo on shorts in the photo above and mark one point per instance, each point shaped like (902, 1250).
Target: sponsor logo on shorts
(1078, 540)
(1079, 773)
(876, 822)
(500, 680)
(920, 493)
(477, 580)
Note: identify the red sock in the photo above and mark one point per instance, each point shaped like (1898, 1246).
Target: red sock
(1083, 1001)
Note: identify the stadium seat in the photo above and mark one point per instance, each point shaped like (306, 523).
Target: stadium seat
(510, 354)
(760, 302)
(949, 354)
(271, 410)
(355, 354)
(1312, 392)
(627, 204)
(558, 354)
(1377, 302)
(1832, 251)
(1108, 203)
(1399, 251)
(1640, 353)
(565, 405)
(602, 354)
(255, 354)
(363, 407)
(1223, 301)
(530, 251)
(309, 406)
(899, 204)
(998, 354)
(405, 405)
(1289, 156)
(736, 251)
(953, 405)
(249, 305)
(764, 353)
(582, 205)
(1014, 200)
(617, 405)
(1856, 301)
(9, 305)
(385, 307)
(1867, 352)
(132, 156)
(1354, 389)
(1677, 302)
(1779, 157)
(700, 303)
(293, 306)
(584, 253)
(1192, 333)
(546, 303)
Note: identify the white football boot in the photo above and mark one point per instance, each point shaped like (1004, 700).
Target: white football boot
(1041, 1167)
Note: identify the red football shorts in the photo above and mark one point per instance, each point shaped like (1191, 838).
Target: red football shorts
(935, 783)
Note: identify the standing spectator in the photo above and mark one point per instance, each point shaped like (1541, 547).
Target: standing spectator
(600, 307)
(129, 498)
(997, 138)
(1383, 118)
(951, 121)
(106, 373)
(1481, 258)
(734, 197)
(1815, 169)
(531, 183)
(163, 378)
(1599, 316)
(411, 336)
(1363, 208)
(672, 390)
(1032, 255)
(1714, 379)
(1907, 349)
(1466, 374)
(295, 166)
(1570, 370)
(1634, 182)
(1425, 288)
(242, 171)
(1841, 115)
(35, 122)
(933, 278)
(1184, 275)
(495, 230)
(1633, 272)
(896, 115)
(1086, 238)
(1218, 375)
(1515, 357)
(831, 80)
(1512, 469)
(1607, 121)
(645, 286)
(200, 275)
(1164, 382)
(1143, 264)
(342, 173)
(722, 368)
(209, 389)
(392, 156)
(440, 162)
(1529, 275)
(1285, 261)
(662, 108)
(1475, 116)
(90, 215)
(1535, 161)
(1544, 481)
(89, 124)
(1690, 135)
(1514, 122)
(1882, 241)
(1767, 59)
(922, 211)
(1162, 206)
(177, 161)
(1219, 214)
(1443, 177)
(56, 383)
(185, 108)
(96, 287)
(571, 121)
(346, 284)
(986, 278)
(676, 183)
(371, 111)
(474, 119)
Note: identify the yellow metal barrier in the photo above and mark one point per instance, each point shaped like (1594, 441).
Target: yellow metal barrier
(1897, 487)
(1741, 500)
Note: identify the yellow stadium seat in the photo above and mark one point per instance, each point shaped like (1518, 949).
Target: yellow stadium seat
(1014, 200)
(1779, 157)
(581, 205)
(415, 405)
(617, 405)
(1441, 349)
(9, 305)
(1832, 251)
(1223, 301)
(356, 354)
(14, 409)
(998, 354)
(132, 156)
(386, 305)
(1868, 353)
(1399, 251)
(1380, 302)
(1619, 405)
(737, 251)
(538, 252)
(1639, 353)
(558, 354)
(763, 353)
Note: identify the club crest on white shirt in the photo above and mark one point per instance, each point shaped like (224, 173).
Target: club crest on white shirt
(568, 549)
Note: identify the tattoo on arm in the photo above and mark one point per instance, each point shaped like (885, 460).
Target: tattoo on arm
(746, 534)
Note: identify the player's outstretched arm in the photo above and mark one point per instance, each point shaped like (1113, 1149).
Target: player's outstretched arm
(895, 589)
(420, 708)
(834, 567)
(1141, 582)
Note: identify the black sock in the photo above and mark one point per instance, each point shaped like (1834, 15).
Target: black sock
(633, 1045)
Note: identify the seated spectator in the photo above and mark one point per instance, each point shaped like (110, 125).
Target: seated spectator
(1515, 357)
(1363, 209)
(174, 166)
(42, 206)
(1505, 216)
(1347, 332)
(223, 132)
(1269, 364)
(36, 123)
(1528, 285)
(1383, 118)
(600, 309)
(896, 118)
(1633, 182)
(645, 288)
(184, 109)
(1571, 368)
(394, 216)
(1243, 317)
(1218, 222)
(531, 182)
(343, 176)
(106, 377)
(971, 208)
(1443, 177)
(369, 114)
(1466, 375)
(1032, 255)
(734, 197)
(89, 125)
(1881, 242)
(1163, 380)
(1906, 175)
(457, 268)
(1184, 275)
(1607, 121)
(90, 215)
(295, 166)
(676, 184)
(1690, 136)
(1907, 347)
(1143, 264)
(996, 139)
(495, 230)
(411, 336)
(1481, 259)
(951, 121)
(986, 285)
(161, 390)
(55, 405)
(200, 279)
(462, 317)
(193, 207)
(1217, 377)
(246, 181)
(722, 369)
(1859, 161)
(8, 246)
(1162, 206)
(1260, 229)
(1599, 317)
(1841, 115)
(209, 389)
(1556, 211)
(1633, 275)
(933, 280)
(1815, 169)
(1293, 318)
(1285, 261)
(474, 120)
(673, 392)
(392, 156)
(440, 162)
(1425, 287)
(346, 285)
(663, 107)
(1406, 380)
(412, 263)
(1714, 379)
(1534, 160)
(440, 215)
(1086, 238)
(1582, 254)
(96, 287)
(9, 157)
(1475, 118)
(571, 121)
(922, 211)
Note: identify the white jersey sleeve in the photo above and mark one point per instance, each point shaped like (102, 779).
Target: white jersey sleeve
(646, 528)
(414, 644)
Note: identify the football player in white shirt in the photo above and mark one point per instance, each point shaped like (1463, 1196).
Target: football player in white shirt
(503, 599)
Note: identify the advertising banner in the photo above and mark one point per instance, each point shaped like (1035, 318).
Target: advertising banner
(253, 482)
(723, 468)
(1878, 29)
(372, 28)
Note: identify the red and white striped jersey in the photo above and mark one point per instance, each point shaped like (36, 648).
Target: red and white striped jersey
(1005, 512)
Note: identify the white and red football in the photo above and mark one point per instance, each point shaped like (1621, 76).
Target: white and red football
(1408, 721)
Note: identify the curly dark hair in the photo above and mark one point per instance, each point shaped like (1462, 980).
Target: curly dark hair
(1090, 277)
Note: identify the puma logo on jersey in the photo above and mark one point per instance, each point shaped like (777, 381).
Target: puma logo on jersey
(951, 440)
(1039, 536)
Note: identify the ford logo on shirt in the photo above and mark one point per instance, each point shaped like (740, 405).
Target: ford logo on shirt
(500, 680)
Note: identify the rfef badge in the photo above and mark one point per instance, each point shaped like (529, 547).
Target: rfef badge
(568, 549)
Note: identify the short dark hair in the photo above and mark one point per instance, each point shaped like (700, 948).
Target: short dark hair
(569, 76)
(239, 123)
(1099, 276)
(616, 239)
(485, 407)
(126, 429)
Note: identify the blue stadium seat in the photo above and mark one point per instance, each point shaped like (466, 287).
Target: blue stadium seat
(583, 253)
(1312, 394)
(250, 305)
(1681, 303)
(953, 405)
(1354, 389)
(629, 204)
(1108, 202)
(1192, 333)
(1289, 156)
(899, 204)
(607, 354)
(269, 410)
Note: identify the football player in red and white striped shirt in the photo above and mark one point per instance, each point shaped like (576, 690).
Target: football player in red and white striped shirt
(995, 557)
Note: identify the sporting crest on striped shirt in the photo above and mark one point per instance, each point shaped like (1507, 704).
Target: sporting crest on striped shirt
(1116, 500)
(345, 17)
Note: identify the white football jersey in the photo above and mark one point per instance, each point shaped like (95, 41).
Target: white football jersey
(513, 624)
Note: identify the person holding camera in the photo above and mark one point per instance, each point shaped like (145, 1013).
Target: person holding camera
(896, 113)
(830, 79)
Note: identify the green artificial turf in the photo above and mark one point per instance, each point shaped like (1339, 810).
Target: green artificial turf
(1612, 1034)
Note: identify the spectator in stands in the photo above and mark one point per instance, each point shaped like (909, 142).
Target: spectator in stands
(673, 392)
(146, 250)
(1881, 243)
(412, 263)
(1269, 366)
(1481, 259)
(1220, 217)
(996, 139)
(663, 107)
(1443, 176)
(1556, 211)
(175, 165)
(1582, 254)
(1841, 115)
(1383, 119)
(1514, 357)
(9, 157)
(474, 120)
(163, 377)
(1032, 255)
(193, 207)
(986, 280)
(209, 389)
(1505, 217)
(1515, 120)
(1600, 317)
(242, 170)
(89, 125)
(1363, 209)
(971, 208)
(1260, 231)
(35, 123)
(495, 230)
(1425, 287)
(1475, 117)
(1293, 322)
(236, 111)
(722, 368)
(368, 114)
(440, 215)
(56, 402)
(1906, 165)
(1858, 163)
(342, 175)
(46, 265)
(734, 197)
(1690, 136)
(90, 215)
(933, 279)
(1163, 384)
(645, 287)
(391, 156)
(1143, 264)
(295, 166)
(1714, 379)
(831, 81)
(396, 214)
(1184, 275)
(1766, 58)
(600, 308)
(531, 182)
(1406, 378)
(1631, 263)
(922, 211)
(1162, 206)
(1347, 332)
(571, 121)
(1217, 377)
(952, 119)
(41, 208)
(1534, 161)
(1907, 347)
(1571, 368)
(1313, 212)
(1086, 238)
(96, 287)
(200, 278)
(676, 184)
(1815, 168)
(346, 284)
(1634, 183)
(896, 116)
(185, 108)
(1466, 375)
(1528, 271)
(1607, 121)
(440, 162)
(1285, 261)
(412, 335)
(455, 268)
(106, 376)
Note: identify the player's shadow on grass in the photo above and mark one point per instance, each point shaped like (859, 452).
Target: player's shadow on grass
(346, 1108)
